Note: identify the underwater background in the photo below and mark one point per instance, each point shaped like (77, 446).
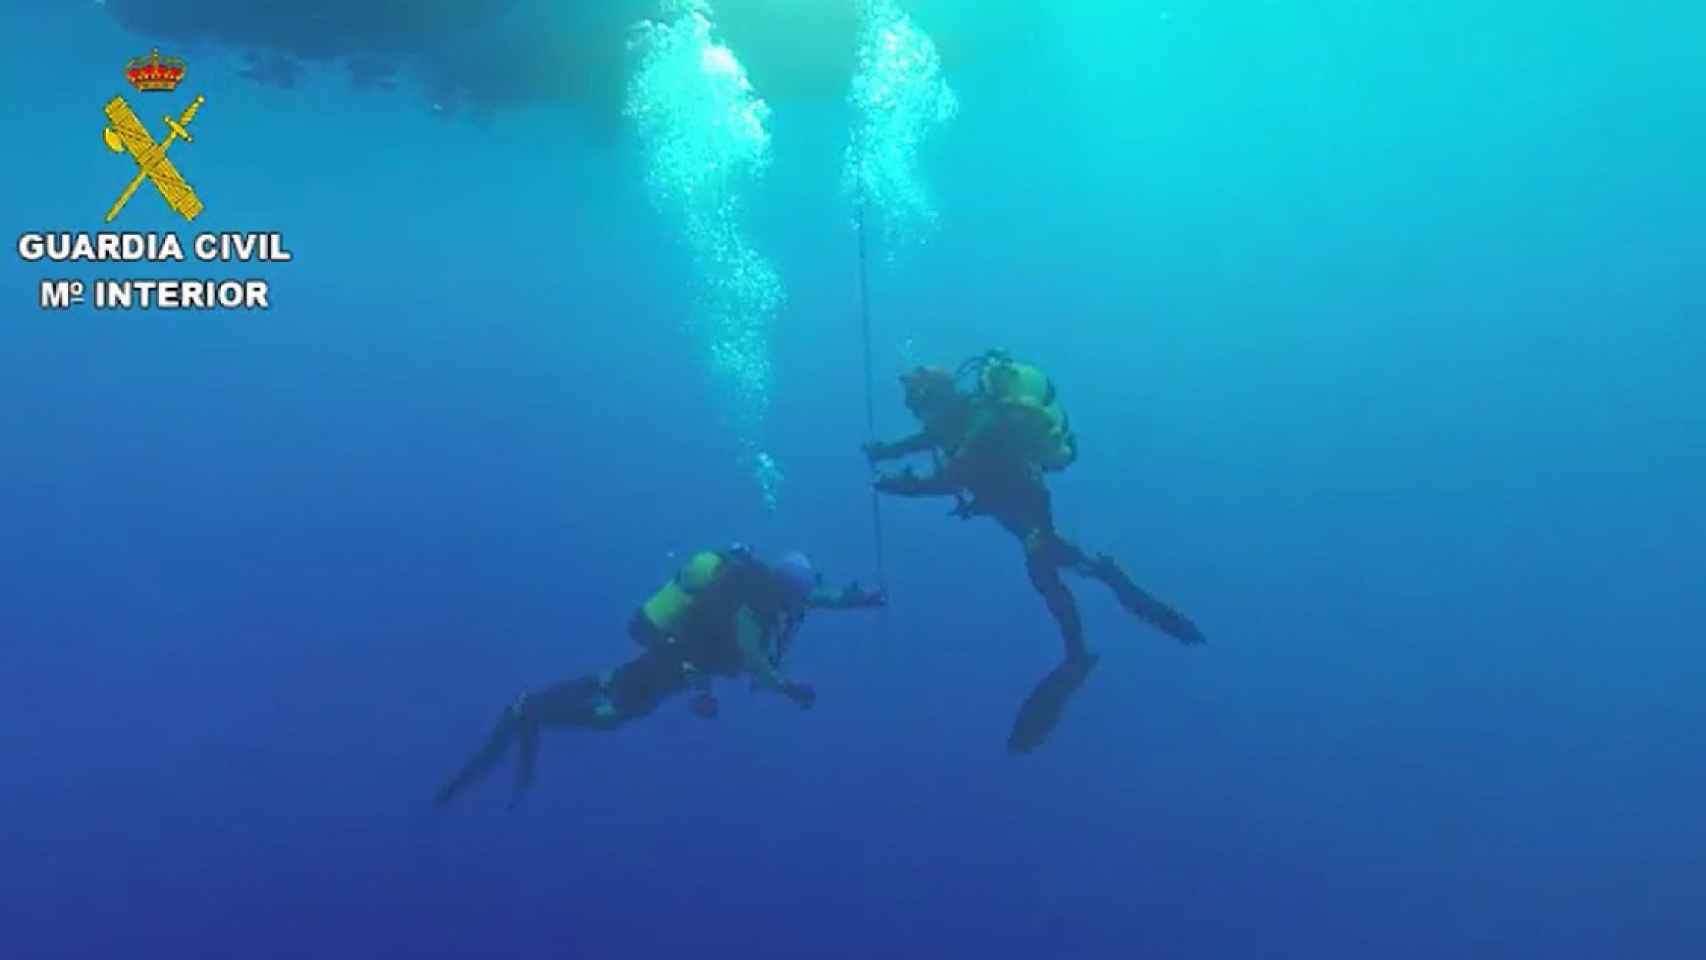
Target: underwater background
(1379, 324)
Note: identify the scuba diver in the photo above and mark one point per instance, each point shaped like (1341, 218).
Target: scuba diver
(724, 613)
(993, 441)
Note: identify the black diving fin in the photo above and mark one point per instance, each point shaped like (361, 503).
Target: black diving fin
(1145, 606)
(1041, 711)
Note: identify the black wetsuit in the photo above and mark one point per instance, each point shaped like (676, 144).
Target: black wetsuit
(708, 648)
(998, 483)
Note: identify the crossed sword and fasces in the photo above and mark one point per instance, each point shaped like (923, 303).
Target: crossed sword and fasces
(125, 133)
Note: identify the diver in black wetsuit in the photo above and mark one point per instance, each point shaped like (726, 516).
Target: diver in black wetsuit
(992, 444)
(723, 614)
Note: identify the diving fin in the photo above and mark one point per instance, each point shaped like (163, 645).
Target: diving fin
(1041, 711)
(1145, 606)
(482, 762)
(526, 762)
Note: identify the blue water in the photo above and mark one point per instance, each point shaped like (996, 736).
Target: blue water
(1382, 335)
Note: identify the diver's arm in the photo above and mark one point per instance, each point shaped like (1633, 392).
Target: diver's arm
(908, 483)
(991, 444)
(749, 634)
(919, 442)
(850, 597)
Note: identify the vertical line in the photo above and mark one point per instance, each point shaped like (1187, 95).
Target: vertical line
(870, 396)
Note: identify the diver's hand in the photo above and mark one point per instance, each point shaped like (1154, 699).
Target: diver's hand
(895, 482)
(874, 451)
(855, 596)
(802, 694)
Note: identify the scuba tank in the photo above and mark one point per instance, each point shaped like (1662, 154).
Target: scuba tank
(1021, 400)
(667, 611)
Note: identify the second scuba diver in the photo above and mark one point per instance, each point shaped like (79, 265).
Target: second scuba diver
(993, 441)
(724, 613)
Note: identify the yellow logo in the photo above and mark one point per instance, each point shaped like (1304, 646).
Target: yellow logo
(126, 134)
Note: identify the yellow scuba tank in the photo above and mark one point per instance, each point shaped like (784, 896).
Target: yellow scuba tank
(1026, 398)
(669, 608)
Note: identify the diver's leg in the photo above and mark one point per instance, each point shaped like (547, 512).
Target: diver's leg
(579, 703)
(607, 700)
(576, 703)
(1135, 599)
(582, 702)
(1106, 569)
(1027, 513)
(601, 702)
(1070, 556)
(1042, 709)
(640, 685)
(1044, 570)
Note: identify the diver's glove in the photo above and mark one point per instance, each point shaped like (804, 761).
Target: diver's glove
(801, 693)
(874, 451)
(903, 482)
(855, 596)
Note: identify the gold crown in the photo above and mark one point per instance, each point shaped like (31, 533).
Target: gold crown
(154, 72)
